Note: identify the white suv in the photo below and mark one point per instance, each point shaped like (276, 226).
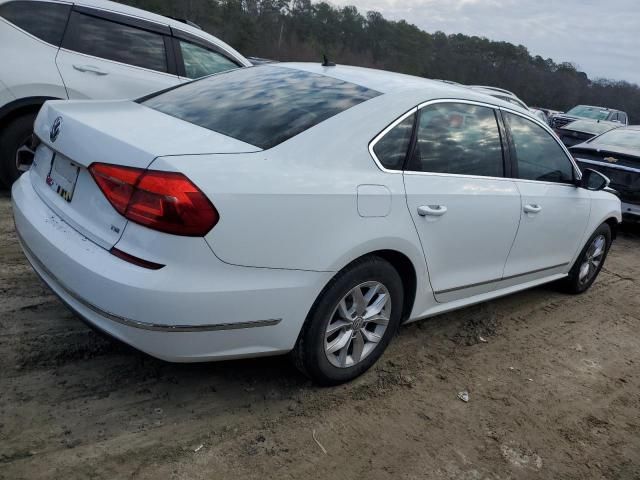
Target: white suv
(90, 49)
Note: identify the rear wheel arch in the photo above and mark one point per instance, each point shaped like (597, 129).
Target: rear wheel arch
(405, 268)
(16, 127)
(20, 107)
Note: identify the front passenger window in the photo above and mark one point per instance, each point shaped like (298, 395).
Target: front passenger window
(458, 138)
(538, 155)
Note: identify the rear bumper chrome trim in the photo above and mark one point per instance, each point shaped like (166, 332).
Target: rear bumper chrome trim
(35, 262)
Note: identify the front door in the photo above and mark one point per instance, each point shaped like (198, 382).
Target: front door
(465, 211)
(554, 212)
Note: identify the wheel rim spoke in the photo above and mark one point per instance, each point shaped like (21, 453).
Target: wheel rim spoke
(378, 319)
(342, 357)
(340, 343)
(376, 307)
(584, 271)
(335, 326)
(358, 347)
(371, 336)
(593, 259)
(359, 301)
(371, 293)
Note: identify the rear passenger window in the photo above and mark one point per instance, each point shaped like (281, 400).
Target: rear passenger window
(114, 41)
(44, 20)
(458, 138)
(538, 155)
(200, 62)
(391, 149)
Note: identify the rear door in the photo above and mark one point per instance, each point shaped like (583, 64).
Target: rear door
(465, 211)
(554, 212)
(110, 56)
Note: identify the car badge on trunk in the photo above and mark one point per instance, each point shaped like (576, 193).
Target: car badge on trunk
(55, 129)
(611, 159)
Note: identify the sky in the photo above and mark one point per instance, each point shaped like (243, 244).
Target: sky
(602, 37)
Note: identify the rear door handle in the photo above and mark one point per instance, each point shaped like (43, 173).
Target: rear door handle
(432, 210)
(532, 208)
(90, 69)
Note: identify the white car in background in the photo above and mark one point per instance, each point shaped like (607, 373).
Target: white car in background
(93, 49)
(511, 97)
(301, 208)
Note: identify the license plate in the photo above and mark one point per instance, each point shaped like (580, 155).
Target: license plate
(62, 176)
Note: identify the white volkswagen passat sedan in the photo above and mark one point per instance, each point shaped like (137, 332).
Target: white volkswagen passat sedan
(301, 208)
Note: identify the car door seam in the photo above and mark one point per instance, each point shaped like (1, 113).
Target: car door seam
(515, 237)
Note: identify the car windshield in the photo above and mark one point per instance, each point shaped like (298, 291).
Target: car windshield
(261, 106)
(589, 126)
(585, 111)
(622, 137)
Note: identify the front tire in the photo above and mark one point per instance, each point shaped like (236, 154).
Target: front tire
(589, 262)
(351, 323)
(14, 139)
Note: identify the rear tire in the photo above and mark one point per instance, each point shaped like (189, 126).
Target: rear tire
(14, 136)
(589, 262)
(363, 323)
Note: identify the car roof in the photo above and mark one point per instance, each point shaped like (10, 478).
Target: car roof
(417, 89)
(495, 89)
(177, 24)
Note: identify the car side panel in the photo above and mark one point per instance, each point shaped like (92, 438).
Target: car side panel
(18, 50)
(604, 206)
(5, 95)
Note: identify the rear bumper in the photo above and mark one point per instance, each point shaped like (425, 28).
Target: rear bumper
(211, 311)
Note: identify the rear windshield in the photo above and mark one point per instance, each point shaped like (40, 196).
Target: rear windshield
(623, 137)
(261, 106)
(585, 111)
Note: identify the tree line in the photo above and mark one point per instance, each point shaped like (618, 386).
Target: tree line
(298, 30)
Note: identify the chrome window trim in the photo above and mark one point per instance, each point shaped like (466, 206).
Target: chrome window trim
(420, 106)
(379, 136)
(413, 110)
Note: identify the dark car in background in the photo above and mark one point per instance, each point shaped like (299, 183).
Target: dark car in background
(582, 130)
(588, 112)
(616, 154)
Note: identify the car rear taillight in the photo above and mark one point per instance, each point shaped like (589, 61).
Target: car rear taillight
(164, 201)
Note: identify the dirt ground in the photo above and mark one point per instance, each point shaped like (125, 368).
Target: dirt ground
(554, 394)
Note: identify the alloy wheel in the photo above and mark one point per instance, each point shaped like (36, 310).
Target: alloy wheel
(357, 324)
(592, 259)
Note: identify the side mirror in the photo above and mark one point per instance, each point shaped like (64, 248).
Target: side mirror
(593, 180)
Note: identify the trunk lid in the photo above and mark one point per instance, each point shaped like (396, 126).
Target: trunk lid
(76, 134)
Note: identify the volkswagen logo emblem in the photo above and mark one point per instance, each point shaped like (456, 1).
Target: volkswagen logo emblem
(55, 129)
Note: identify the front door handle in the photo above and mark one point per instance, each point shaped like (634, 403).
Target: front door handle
(432, 210)
(90, 69)
(532, 208)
